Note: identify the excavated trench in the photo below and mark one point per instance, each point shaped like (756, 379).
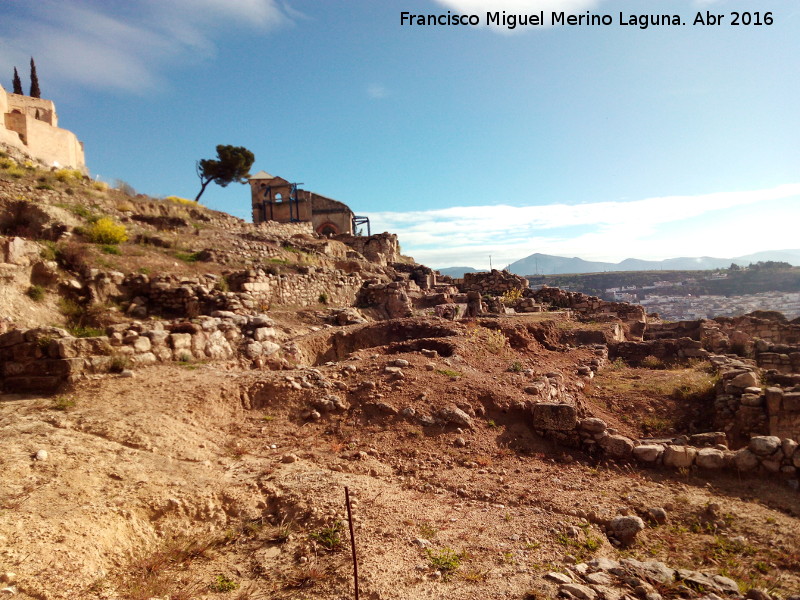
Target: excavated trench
(402, 335)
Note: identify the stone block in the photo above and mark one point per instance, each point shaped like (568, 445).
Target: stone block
(592, 425)
(710, 458)
(147, 358)
(745, 380)
(679, 457)
(180, 341)
(142, 344)
(744, 460)
(649, 453)
(617, 446)
(791, 402)
(11, 338)
(764, 445)
(774, 398)
(557, 417)
(751, 400)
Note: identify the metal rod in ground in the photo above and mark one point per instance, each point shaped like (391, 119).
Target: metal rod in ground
(352, 538)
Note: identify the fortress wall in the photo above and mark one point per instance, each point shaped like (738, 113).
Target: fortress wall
(54, 145)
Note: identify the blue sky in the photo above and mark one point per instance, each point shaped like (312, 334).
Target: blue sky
(599, 142)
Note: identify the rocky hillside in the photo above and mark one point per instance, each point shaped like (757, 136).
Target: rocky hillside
(186, 398)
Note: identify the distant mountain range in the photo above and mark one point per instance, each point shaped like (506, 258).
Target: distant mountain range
(547, 264)
(457, 272)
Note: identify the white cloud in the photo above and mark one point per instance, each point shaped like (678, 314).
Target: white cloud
(377, 91)
(466, 236)
(124, 46)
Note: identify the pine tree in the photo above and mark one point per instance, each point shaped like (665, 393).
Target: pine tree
(35, 91)
(17, 82)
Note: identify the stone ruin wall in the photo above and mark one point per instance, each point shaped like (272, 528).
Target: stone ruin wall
(46, 359)
(381, 249)
(284, 229)
(493, 282)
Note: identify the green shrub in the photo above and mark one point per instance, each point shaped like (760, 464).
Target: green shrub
(224, 584)
(445, 560)
(106, 231)
(189, 257)
(111, 249)
(66, 175)
(44, 186)
(178, 200)
(329, 537)
(35, 293)
(323, 298)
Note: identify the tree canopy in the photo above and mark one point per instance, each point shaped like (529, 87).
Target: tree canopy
(35, 91)
(17, 83)
(231, 165)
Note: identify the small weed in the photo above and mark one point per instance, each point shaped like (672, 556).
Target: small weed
(474, 576)
(189, 257)
(307, 577)
(491, 424)
(323, 298)
(515, 367)
(619, 364)
(427, 531)
(44, 186)
(85, 331)
(144, 270)
(581, 549)
(653, 362)
(222, 285)
(445, 560)
(508, 518)
(329, 537)
(111, 249)
(184, 357)
(35, 293)
(223, 584)
(119, 364)
(449, 372)
(63, 403)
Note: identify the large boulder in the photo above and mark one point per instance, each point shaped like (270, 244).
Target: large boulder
(764, 445)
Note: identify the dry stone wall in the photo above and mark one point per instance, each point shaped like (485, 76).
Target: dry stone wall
(493, 282)
(48, 358)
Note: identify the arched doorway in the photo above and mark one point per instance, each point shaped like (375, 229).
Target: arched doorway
(327, 229)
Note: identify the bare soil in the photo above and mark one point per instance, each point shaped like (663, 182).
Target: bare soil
(184, 481)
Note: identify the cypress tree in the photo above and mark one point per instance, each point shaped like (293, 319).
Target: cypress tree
(17, 82)
(35, 91)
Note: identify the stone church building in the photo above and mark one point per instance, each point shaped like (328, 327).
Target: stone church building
(276, 199)
(30, 125)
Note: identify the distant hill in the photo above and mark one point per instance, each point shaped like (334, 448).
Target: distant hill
(457, 272)
(547, 264)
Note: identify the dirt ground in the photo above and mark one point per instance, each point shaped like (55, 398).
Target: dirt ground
(204, 481)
